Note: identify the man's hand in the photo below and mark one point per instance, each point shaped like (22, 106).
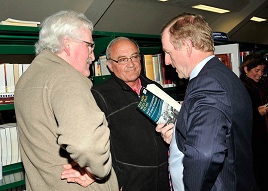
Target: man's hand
(74, 173)
(166, 131)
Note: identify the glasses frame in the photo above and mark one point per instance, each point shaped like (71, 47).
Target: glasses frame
(128, 58)
(89, 44)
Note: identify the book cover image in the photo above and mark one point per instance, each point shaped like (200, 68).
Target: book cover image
(156, 108)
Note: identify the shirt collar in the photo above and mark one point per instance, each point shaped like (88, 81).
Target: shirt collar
(199, 67)
(137, 90)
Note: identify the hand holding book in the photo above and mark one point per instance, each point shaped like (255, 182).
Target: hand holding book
(166, 131)
(158, 105)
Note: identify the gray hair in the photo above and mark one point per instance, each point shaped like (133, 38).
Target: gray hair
(59, 26)
(108, 49)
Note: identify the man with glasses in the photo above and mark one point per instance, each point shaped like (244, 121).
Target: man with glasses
(60, 125)
(139, 155)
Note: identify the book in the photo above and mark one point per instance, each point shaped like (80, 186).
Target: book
(2, 79)
(15, 158)
(25, 67)
(10, 83)
(3, 146)
(167, 72)
(226, 59)
(97, 68)
(103, 65)
(9, 139)
(9, 147)
(156, 66)
(16, 22)
(16, 72)
(160, 62)
(148, 66)
(158, 105)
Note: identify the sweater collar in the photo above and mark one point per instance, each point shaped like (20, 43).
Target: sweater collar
(142, 82)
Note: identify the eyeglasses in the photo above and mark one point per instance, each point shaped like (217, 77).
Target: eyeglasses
(89, 44)
(124, 60)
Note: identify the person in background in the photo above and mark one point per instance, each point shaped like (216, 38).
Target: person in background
(252, 70)
(60, 125)
(211, 141)
(139, 154)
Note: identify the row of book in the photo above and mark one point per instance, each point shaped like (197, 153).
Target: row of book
(12, 178)
(9, 144)
(100, 67)
(153, 67)
(9, 76)
(156, 70)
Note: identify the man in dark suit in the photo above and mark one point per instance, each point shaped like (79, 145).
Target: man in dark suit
(211, 145)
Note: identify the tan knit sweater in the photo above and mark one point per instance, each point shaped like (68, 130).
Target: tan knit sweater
(59, 121)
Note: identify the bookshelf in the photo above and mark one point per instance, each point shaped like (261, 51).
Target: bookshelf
(13, 176)
(16, 46)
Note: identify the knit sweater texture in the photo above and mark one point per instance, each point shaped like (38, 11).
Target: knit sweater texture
(60, 122)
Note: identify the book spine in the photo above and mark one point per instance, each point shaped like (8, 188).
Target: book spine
(2, 79)
(103, 65)
(148, 66)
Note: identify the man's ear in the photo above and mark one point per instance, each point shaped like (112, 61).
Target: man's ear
(109, 65)
(189, 46)
(66, 44)
(246, 69)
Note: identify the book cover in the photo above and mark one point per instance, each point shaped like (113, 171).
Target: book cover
(158, 105)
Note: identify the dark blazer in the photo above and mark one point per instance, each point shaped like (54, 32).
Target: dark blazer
(213, 131)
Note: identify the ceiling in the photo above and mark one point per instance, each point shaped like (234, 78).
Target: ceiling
(148, 16)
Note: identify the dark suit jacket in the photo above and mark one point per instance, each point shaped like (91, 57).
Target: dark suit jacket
(213, 131)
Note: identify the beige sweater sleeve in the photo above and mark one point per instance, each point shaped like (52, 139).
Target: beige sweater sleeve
(82, 127)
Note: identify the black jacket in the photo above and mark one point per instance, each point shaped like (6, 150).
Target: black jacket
(138, 151)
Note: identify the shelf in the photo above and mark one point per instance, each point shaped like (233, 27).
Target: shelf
(6, 107)
(13, 176)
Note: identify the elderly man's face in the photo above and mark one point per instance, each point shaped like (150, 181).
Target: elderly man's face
(130, 71)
